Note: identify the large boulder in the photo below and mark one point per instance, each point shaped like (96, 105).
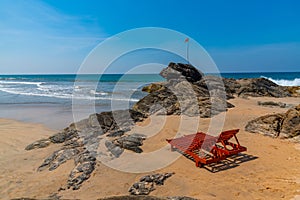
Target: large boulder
(180, 71)
(257, 87)
(283, 125)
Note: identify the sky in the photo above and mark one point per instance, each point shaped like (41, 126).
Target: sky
(241, 36)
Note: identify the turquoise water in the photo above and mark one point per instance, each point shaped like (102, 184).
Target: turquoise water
(60, 89)
(50, 99)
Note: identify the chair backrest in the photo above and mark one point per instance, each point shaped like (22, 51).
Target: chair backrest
(227, 135)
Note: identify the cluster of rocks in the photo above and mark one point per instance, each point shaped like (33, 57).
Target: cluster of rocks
(80, 142)
(186, 91)
(147, 183)
(255, 87)
(282, 125)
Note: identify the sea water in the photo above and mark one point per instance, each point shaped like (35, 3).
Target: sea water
(39, 98)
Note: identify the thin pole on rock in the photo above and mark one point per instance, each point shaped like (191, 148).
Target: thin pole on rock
(187, 40)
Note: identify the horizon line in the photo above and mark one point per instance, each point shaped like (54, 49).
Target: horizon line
(227, 72)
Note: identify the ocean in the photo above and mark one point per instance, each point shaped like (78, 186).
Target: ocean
(40, 98)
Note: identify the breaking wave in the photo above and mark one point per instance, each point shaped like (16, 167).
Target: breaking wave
(285, 82)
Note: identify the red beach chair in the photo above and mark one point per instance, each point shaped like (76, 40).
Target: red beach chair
(205, 149)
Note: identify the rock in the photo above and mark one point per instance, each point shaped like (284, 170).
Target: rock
(145, 197)
(57, 158)
(153, 87)
(158, 179)
(117, 133)
(131, 142)
(38, 144)
(63, 136)
(272, 104)
(257, 87)
(283, 125)
(141, 188)
(291, 124)
(269, 125)
(184, 98)
(181, 71)
(147, 183)
(114, 149)
(294, 90)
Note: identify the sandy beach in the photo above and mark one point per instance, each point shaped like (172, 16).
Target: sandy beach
(270, 169)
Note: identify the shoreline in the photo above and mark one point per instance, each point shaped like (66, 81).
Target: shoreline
(273, 174)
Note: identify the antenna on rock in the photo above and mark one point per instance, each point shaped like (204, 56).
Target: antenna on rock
(187, 41)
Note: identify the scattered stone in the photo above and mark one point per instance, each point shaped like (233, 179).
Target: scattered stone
(147, 183)
(141, 188)
(158, 179)
(272, 104)
(145, 197)
(283, 125)
(130, 142)
(38, 144)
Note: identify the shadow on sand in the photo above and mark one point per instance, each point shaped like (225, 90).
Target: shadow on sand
(229, 163)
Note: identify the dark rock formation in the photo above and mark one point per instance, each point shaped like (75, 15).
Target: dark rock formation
(131, 142)
(255, 87)
(271, 104)
(179, 71)
(147, 183)
(283, 125)
(187, 91)
(81, 140)
(42, 143)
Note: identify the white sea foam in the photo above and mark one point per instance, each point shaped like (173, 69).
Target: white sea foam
(57, 91)
(284, 82)
(93, 92)
(62, 95)
(21, 83)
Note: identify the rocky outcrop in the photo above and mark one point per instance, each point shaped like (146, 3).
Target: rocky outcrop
(147, 183)
(81, 139)
(282, 125)
(255, 87)
(187, 91)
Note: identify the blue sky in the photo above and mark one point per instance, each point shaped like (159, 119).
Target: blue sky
(55, 36)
